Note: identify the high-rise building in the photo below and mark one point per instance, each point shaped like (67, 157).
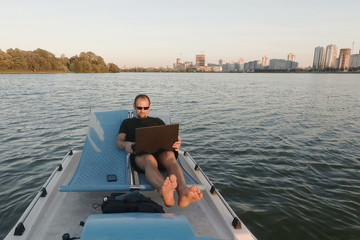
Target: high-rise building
(344, 58)
(265, 61)
(200, 60)
(355, 60)
(221, 62)
(282, 64)
(252, 65)
(291, 57)
(330, 56)
(241, 64)
(319, 58)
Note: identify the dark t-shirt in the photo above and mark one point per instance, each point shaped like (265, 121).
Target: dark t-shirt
(128, 126)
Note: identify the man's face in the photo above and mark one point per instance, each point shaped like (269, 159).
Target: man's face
(142, 107)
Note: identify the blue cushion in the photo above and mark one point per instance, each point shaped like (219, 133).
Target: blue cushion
(137, 226)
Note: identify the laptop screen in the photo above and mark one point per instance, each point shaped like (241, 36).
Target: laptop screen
(156, 138)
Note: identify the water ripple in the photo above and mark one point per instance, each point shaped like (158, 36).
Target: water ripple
(283, 149)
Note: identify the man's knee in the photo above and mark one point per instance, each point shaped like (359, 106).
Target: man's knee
(146, 160)
(168, 154)
(167, 157)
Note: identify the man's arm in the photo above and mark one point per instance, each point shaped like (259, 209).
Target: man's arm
(122, 144)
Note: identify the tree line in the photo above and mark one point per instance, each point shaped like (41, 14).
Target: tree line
(42, 61)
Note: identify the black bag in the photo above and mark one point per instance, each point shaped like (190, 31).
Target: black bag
(130, 202)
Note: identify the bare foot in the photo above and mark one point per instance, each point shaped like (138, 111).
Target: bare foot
(167, 191)
(192, 195)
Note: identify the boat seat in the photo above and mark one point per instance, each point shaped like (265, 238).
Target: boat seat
(138, 226)
(101, 158)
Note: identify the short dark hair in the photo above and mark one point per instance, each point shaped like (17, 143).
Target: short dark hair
(141, 96)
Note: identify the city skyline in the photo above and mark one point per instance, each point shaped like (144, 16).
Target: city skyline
(154, 33)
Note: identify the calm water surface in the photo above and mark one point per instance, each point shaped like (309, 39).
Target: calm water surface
(284, 149)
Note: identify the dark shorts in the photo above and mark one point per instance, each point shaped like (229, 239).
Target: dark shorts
(156, 155)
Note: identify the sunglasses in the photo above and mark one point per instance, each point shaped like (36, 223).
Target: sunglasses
(140, 108)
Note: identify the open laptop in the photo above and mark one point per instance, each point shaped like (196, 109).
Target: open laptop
(156, 138)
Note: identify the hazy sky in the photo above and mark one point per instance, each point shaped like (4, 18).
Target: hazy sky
(155, 33)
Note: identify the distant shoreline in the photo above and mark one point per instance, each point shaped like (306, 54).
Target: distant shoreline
(30, 72)
(58, 72)
(40, 61)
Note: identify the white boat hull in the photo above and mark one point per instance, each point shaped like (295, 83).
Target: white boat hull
(55, 213)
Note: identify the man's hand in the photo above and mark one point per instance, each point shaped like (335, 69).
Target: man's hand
(177, 144)
(128, 147)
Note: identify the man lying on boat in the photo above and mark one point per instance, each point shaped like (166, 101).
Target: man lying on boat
(149, 163)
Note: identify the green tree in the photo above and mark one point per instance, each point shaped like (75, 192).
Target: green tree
(87, 63)
(6, 61)
(74, 64)
(86, 67)
(63, 63)
(41, 60)
(50, 59)
(18, 59)
(36, 63)
(113, 68)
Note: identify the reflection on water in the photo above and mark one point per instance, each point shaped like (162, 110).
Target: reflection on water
(282, 148)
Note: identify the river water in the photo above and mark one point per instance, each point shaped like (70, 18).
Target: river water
(283, 149)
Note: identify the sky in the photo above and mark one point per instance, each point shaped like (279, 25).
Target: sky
(152, 33)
